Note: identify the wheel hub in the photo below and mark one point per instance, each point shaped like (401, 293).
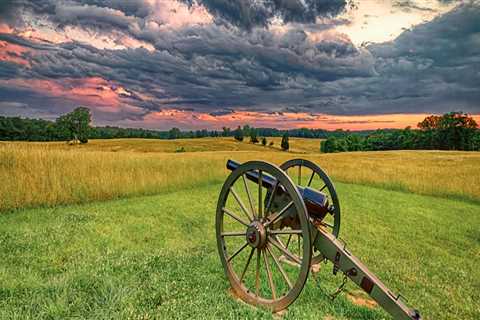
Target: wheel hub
(256, 235)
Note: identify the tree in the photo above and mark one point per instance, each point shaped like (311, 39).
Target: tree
(429, 123)
(225, 132)
(451, 131)
(253, 136)
(75, 125)
(285, 145)
(246, 130)
(476, 141)
(174, 133)
(238, 134)
(264, 141)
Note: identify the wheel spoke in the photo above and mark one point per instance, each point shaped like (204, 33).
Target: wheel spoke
(269, 274)
(240, 203)
(277, 215)
(287, 253)
(279, 239)
(275, 259)
(233, 234)
(249, 195)
(270, 199)
(288, 241)
(260, 199)
(231, 214)
(238, 251)
(257, 273)
(300, 175)
(248, 263)
(285, 231)
(323, 187)
(298, 241)
(311, 179)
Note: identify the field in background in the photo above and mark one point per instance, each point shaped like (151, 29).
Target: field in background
(297, 145)
(156, 258)
(36, 174)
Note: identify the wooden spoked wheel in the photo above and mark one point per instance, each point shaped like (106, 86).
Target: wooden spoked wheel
(305, 173)
(249, 219)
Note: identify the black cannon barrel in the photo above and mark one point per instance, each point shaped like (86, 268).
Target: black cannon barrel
(267, 180)
(315, 201)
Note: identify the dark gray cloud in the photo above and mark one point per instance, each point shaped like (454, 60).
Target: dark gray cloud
(97, 15)
(85, 14)
(208, 67)
(217, 68)
(436, 63)
(250, 13)
(408, 5)
(137, 8)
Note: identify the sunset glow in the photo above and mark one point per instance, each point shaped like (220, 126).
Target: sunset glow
(13, 53)
(165, 63)
(194, 120)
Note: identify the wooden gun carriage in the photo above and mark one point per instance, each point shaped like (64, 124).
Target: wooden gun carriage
(289, 227)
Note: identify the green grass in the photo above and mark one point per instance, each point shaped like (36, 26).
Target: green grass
(156, 257)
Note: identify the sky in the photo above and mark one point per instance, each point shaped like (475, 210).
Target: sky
(197, 64)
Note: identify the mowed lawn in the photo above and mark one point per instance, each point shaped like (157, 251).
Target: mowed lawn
(155, 257)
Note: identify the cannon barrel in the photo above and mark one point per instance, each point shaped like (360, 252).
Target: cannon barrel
(315, 201)
(267, 181)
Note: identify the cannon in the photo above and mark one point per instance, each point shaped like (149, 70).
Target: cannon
(275, 224)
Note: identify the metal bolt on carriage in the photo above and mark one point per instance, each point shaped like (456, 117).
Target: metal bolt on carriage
(273, 224)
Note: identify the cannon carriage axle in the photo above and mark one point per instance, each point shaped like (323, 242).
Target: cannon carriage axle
(288, 227)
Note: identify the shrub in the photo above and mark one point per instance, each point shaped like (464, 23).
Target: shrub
(238, 134)
(253, 136)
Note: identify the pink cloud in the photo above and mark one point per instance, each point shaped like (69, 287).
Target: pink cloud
(4, 28)
(13, 53)
(176, 15)
(95, 92)
(169, 118)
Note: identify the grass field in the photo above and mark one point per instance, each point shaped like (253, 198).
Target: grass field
(69, 251)
(297, 145)
(156, 257)
(36, 174)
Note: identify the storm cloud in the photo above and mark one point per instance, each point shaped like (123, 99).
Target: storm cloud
(250, 13)
(241, 62)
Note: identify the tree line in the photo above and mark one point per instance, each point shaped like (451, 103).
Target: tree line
(451, 131)
(76, 126)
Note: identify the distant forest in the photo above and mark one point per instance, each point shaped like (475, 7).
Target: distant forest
(25, 129)
(451, 131)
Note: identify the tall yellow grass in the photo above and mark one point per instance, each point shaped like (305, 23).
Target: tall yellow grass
(33, 174)
(297, 145)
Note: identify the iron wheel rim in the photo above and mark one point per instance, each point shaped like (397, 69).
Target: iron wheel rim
(335, 230)
(240, 289)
